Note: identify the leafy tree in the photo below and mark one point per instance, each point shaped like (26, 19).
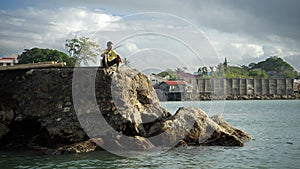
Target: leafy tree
(257, 73)
(199, 70)
(169, 72)
(36, 55)
(204, 71)
(126, 62)
(180, 70)
(236, 72)
(252, 66)
(244, 67)
(276, 68)
(82, 50)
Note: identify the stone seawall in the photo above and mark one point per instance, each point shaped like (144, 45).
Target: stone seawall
(246, 89)
(60, 110)
(36, 105)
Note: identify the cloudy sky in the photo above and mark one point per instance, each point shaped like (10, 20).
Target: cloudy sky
(157, 34)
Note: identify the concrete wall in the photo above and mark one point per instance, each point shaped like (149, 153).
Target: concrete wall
(245, 86)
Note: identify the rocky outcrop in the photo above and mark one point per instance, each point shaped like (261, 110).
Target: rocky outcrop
(84, 109)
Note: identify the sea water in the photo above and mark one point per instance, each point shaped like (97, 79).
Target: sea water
(274, 126)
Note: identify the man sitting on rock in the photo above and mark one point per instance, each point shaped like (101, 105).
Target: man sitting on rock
(110, 57)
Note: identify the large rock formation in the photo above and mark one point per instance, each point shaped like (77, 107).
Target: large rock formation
(76, 110)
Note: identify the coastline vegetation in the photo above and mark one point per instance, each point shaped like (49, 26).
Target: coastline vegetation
(36, 55)
(272, 68)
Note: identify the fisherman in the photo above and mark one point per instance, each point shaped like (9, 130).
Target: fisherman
(110, 57)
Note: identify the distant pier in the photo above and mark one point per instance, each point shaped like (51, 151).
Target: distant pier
(233, 89)
(230, 89)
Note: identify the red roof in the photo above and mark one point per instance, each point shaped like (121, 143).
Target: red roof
(7, 58)
(168, 82)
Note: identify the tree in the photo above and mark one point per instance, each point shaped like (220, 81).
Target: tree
(256, 73)
(225, 64)
(244, 67)
(36, 55)
(276, 68)
(82, 50)
(204, 71)
(236, 72)
(169, 72)
(251, 66)
(126, 62)
(180, 70)
(199, 71)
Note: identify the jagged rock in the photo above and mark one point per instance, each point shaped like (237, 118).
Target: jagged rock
(133, 100)
(81, 147)
(190, 126)
(59, 110)
(231, 130)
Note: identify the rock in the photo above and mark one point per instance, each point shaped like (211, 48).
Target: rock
(190, 126)
(59, 110)
(133, 99)
(245, 97)
(126, 143)
(231, 130)
(83, 147)
(256, 97)
(230, 97)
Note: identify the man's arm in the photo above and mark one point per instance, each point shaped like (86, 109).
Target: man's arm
(105, 52)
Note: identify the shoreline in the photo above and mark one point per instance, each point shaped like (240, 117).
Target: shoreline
(250, 97)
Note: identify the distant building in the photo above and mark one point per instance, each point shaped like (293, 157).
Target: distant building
(297, 86)
(191, 79)
(173, 90)
(186, 76)
(8, 61)
(156, 79)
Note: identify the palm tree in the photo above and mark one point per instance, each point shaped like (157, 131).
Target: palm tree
(126, 62)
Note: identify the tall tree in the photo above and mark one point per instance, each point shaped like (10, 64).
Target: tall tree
(199, 71)
(256, 73)
(126, 62)
(82, 50)
(36, 55)
(169, 72)
(225, 64)
(204, 71)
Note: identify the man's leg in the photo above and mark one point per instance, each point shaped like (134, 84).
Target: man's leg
(119, 60)
(115, 61)
(104, 62)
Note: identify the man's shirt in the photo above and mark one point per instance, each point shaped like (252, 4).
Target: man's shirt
(111, 55)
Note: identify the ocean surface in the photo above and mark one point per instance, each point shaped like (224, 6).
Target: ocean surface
(274, 125)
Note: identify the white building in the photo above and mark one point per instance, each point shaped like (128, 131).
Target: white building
(8, 61)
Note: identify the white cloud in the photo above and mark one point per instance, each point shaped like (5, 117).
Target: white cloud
(242, 31)
(30, 27)
(253, 50)
(242, 49)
